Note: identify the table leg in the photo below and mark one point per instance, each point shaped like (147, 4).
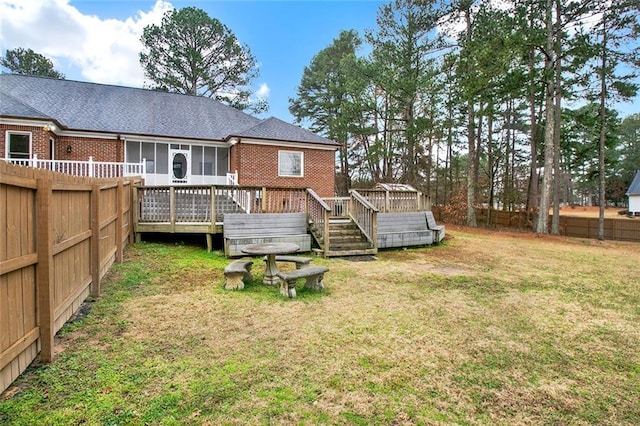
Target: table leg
(271, 271)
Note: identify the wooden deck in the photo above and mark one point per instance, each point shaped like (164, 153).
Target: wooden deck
(201, 210)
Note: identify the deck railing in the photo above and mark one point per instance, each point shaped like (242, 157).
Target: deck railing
(397, 201)
(339, 206)
(365, 215)
(97, 169)
(319, 213)
(194, 203)
(284, 200)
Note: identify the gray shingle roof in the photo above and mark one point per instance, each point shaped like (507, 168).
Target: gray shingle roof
(274, 128)
(634, 188)
(76, 105)
(16, 108)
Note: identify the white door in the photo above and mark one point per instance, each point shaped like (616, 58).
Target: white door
(180, 166)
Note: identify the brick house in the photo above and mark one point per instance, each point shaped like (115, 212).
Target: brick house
(182, 139)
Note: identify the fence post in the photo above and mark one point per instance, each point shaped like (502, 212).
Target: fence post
(119, 209)
(95, 240)
(45, 269)
(90, 166)
(614, 229)
(263, 204)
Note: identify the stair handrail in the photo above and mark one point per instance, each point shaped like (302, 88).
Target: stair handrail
(318, 213)
(365, 216)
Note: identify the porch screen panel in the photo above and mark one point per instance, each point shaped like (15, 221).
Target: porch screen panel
(149, 154)
(133, 152)
(162, 158)
(209, 161)
(223, 162)
(196, 160)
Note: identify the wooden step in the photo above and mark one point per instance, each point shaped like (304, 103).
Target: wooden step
(346, 239)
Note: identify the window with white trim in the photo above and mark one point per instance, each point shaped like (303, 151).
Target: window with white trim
(290, 163)
(18, 145)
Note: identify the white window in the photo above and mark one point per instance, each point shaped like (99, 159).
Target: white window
(18, 145)
(290, 163)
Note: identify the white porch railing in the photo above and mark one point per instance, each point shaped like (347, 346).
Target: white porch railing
(89, 168)
(232, 179)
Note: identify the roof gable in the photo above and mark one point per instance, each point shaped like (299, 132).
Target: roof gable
(634, 188)
(93, 107)
(276, 129)
(16, 108)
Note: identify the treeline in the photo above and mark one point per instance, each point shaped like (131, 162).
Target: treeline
(505, 104)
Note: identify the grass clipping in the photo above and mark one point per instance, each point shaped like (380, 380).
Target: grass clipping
(483, 329)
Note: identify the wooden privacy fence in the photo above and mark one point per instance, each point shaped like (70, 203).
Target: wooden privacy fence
(60, 235)
(570, 226)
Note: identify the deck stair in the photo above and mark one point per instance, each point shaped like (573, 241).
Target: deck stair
(345, 239)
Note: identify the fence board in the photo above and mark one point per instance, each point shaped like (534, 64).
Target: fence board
(47, 254)
(570, 226)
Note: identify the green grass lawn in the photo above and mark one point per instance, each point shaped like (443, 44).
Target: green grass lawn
(486, 328)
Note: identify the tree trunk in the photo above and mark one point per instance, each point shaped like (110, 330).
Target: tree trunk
(542, 226)
(490, 165)
(555, 222)
(532, 193)
(508, 178)
(603, 130)
(472, 171)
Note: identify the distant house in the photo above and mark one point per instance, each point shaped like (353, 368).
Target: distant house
(634, 195)
(182, 139)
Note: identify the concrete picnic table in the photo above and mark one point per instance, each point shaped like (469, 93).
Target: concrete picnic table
(270, 250)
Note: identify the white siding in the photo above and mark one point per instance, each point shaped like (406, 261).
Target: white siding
(634, 203)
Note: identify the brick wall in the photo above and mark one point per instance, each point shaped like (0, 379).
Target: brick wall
(111, 150)
(257, 165)
(39, 140)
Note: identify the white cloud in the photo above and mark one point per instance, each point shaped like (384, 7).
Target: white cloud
(101, 50)
(263, 91)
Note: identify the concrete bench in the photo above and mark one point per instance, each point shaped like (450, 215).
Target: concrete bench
(301, 262)
(313, 275)
(243, 229)
(236, 273)
(438, 230)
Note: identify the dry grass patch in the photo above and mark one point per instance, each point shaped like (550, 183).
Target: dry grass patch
(488, 328)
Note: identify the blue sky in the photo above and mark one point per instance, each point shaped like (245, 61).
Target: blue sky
(98, 40)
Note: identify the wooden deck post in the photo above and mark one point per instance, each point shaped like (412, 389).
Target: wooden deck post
(45, 269)
(326, 231)
(214, 215)
(135, 214)
(172, 208)
(374, 230)
(386, 202)
(263, 204)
